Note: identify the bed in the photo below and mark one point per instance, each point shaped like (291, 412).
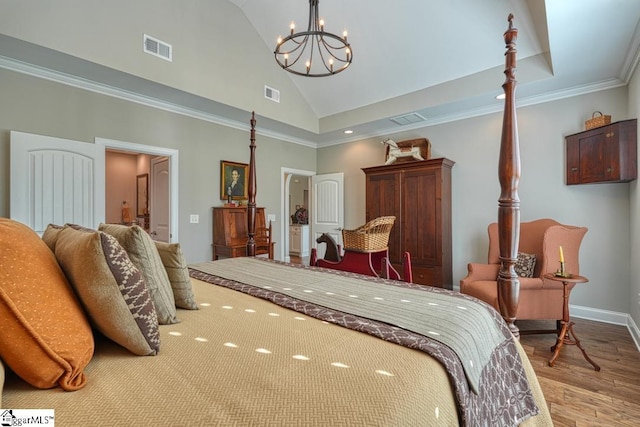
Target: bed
(261, 342)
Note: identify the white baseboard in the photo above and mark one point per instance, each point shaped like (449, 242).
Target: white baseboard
(607, 316)
(635, 332)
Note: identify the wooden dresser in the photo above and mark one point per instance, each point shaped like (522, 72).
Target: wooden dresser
(230, 231)
(419, 195)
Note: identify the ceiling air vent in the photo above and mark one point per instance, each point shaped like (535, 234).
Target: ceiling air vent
(157, 48)
(272, 94)
(408, 119)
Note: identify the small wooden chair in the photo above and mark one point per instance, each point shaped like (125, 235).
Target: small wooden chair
(264, 245)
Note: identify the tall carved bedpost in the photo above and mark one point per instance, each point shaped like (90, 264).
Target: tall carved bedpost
(251, 206)
(509, 203)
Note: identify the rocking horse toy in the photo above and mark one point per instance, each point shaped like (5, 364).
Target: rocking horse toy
(369, 261)
(396, 152)
(332, 253)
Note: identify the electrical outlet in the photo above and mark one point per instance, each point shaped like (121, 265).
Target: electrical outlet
(271, 217)
(194, 219)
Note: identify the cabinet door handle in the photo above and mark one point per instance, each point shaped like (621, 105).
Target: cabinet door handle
(610, 134)
(574, 169)
(609, 170)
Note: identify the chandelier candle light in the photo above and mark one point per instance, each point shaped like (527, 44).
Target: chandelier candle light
(295, 53)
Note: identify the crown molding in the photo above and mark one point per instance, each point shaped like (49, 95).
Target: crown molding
(103, 89)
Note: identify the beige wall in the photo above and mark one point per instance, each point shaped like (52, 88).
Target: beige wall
(473, 144)
(120, 185)
(39, 106)
(297, 192)
(206, 59)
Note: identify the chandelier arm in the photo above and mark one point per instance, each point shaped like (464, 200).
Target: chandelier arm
(300, 47)
(300, 44)
(320, 51)
(330, 49)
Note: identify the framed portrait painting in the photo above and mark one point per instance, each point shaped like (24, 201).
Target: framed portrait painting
(233, 180)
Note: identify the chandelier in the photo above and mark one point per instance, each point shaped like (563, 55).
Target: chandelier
(313, 53)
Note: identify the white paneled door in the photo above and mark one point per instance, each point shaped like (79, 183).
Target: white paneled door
(56, 181)
(327, 204)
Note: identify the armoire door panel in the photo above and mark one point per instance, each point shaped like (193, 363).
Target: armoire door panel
(420, 217)
(384, 193)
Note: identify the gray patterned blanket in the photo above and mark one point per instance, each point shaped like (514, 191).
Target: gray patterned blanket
(468, 337)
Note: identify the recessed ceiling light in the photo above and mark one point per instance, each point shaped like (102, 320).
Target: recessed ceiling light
(348, 131)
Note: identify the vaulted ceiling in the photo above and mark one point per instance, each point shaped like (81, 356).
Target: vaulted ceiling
(443, 59)
(435, 61)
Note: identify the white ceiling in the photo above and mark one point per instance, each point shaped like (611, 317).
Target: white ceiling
(441, 58)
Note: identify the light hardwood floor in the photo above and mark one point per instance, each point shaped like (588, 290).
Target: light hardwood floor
(576, 394)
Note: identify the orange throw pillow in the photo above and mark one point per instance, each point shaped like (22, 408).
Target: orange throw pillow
(45, 336)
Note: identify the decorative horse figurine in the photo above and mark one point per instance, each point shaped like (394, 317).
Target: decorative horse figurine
(332, 253)
(395, 152)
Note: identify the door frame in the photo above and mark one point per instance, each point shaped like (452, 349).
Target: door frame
(172, 154)
(155, 194)
(286, 174)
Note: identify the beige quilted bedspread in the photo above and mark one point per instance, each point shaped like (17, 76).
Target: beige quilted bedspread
(239, 360)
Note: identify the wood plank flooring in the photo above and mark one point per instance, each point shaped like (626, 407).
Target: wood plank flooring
(576, 394)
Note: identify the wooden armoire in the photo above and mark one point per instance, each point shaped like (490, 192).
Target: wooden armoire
(418, 194)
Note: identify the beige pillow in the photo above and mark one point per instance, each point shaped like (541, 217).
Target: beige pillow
(110, 287)
(178, 272)
(45, 336)
(143, 254)
(50, 235)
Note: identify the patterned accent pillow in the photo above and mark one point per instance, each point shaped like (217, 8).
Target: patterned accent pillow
(45, 336)
(525, 264)
(110, 287)
(178, 272)
(144, 255)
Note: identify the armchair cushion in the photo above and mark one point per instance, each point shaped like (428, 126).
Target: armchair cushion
(480, 272)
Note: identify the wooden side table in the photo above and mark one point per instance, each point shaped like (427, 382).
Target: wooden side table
(567, 335)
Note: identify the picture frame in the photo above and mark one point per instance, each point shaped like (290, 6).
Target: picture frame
(229, 190)
(142, 194)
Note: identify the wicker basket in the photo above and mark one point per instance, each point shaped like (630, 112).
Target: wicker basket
(597, 121)
(373, 236)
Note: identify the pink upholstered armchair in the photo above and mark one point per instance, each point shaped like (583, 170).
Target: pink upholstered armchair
(539, 298)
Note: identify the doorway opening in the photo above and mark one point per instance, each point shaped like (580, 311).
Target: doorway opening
(287, 210)
(153, 152)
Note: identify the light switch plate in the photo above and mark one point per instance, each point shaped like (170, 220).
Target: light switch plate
(271, 217)
(194, 219)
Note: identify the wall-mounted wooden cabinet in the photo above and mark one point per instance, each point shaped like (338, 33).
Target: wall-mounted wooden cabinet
(418, 194)
(604, 154)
